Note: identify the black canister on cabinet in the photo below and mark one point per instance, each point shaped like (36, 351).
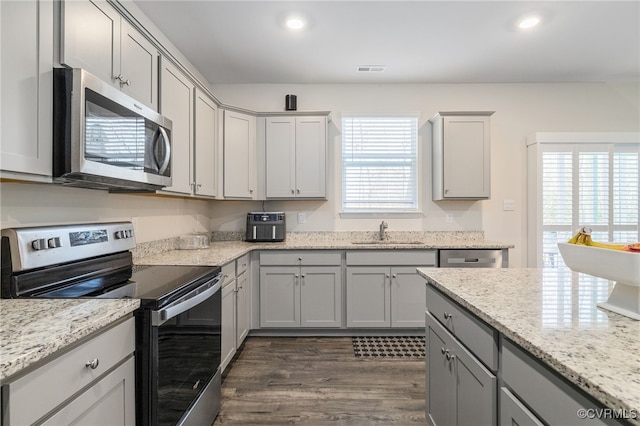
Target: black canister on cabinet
(290, 102)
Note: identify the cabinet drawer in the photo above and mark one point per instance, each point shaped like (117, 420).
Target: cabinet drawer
(552, 398)
(229, 273)
(513, 412)
(242, 263)
(481, 339)
(37, 393)
(392, 257)
(294, 258)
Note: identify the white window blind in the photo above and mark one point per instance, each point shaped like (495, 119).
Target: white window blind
(379, 164)
(589, 185)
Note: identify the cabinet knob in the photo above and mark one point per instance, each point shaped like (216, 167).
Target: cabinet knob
(449, 356)
(395, 275)
(443, 350)
(387, 275)
(298, 190)
(447, 315)
(250, 191)
(92, 364)
(446, 191)
(300, 258)
(293, 191)
(303, 275)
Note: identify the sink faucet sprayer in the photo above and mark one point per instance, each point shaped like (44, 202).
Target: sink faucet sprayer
(383, 227)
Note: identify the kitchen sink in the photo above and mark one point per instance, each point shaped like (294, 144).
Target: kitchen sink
(386, 242)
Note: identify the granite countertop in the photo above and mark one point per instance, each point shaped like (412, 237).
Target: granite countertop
(33, 329)
(552, 314)
(222, 252)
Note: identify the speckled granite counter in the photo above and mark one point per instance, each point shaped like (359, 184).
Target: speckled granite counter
(32, 329)
(222, 252)
(553, 315)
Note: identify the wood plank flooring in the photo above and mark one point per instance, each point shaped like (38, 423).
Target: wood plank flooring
(318, 381)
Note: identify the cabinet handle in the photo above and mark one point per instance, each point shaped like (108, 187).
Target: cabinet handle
(447, 315)
(395, 275)
(293, 191)
(298, 190)
(250, 191)
(300, 259)
(449, 356)
(122, 81)
(303, 275)
(446, 191)
(387, 275)
(443, 350)
(92, 364)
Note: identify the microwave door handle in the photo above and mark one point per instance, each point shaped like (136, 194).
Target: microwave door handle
(159, 317)
(167, 147)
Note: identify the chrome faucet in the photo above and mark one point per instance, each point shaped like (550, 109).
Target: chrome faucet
(383, 227)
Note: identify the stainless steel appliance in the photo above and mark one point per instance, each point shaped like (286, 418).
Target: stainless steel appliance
(178, 325)
(266, 226)
(104, 139)
(474, 258)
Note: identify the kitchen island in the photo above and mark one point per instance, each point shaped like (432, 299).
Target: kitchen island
(551, 315)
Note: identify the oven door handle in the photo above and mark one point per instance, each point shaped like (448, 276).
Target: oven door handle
(192, 299)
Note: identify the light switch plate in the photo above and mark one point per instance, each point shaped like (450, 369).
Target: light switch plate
(509, 205)
(302, 218)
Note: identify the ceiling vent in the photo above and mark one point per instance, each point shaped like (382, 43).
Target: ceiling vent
(371, 68)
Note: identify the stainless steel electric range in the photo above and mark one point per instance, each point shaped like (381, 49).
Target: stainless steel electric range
(178, 325)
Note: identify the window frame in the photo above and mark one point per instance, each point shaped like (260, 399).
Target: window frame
(541, 142)
(381, 212)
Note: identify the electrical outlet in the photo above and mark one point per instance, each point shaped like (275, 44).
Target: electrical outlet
(449, 217)
(302, 218)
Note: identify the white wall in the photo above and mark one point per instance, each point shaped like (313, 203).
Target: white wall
(521, 109)
(154, 218)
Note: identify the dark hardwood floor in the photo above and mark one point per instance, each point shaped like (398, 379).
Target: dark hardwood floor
(317, 381)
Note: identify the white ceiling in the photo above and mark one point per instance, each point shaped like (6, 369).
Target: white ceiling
(418, 41)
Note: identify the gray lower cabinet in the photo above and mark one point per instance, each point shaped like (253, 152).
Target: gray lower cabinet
(460, 389)
(228, 332)
(93, 383)
(386, 296)
(300, 296)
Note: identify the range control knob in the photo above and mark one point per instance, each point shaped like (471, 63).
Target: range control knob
(39, 244)
(54, 242)
(120, 235)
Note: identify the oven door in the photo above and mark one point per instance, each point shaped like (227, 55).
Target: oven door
(179, 376)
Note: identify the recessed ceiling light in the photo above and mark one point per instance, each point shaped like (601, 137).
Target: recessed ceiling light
(528, 22)
(295, 24)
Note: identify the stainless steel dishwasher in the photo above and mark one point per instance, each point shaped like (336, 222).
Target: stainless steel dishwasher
(474, 258)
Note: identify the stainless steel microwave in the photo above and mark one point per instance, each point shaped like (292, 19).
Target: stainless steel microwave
(104, 139)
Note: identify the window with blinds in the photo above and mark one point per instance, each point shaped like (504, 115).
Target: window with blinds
(589, 185)
(379, 164)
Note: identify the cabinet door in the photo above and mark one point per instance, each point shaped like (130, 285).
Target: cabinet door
(239, 155)
(138, 66)
(228, 338)
(440, 394)
(476, 389)
(513, 412)
(26, 48)
(279, 296)
(91, 38)
(310, 163)
(280, 157)
(466, 157)
(242, 308)
(205, 146)
(321, 296)
(177, 106)
(408, 293)
(368, 297)
(109, 402)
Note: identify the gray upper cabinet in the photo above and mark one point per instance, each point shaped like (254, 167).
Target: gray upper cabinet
(240, 143)
(296, 157)
(205, 144)
(461, 156)
(177, 105)
(26, 43)
(95, 37)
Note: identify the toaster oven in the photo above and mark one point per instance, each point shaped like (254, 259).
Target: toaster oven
(265, 226)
